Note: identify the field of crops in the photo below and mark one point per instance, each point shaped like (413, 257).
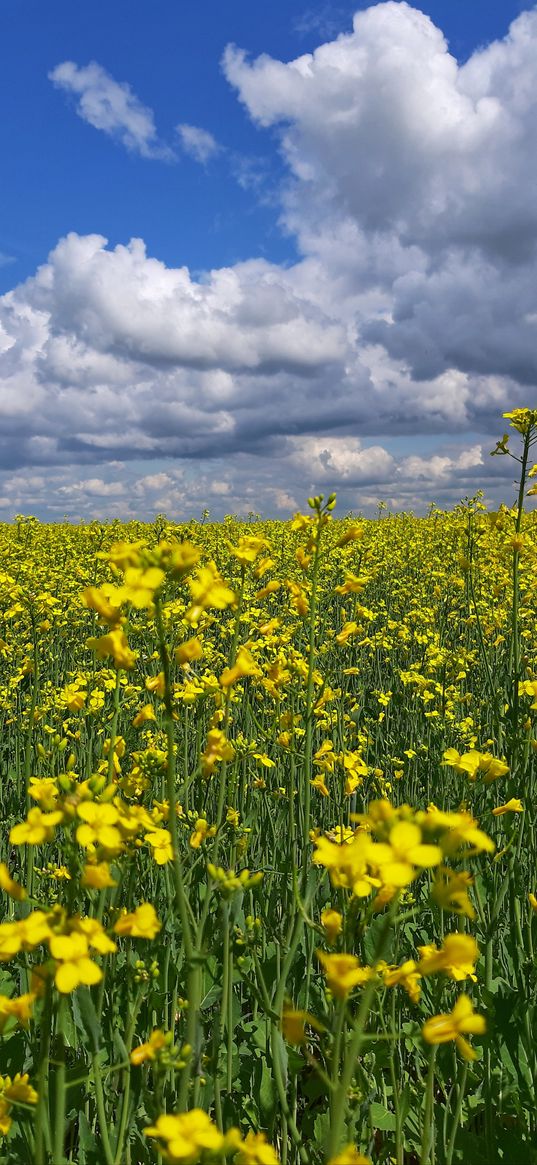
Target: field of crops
(268, 858)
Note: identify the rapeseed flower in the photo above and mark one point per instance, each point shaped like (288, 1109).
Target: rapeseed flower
(441, 1029)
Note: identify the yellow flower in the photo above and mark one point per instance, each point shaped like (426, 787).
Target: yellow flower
(97, 876)
(75, 966)
(146, 713)
(533, 902)
(522, 419)
(73, 698)
(350, 1156)
(319, 783)
(160, 841)
(189, 651)
(248, 549)
(450, 891)
(18, 1090)
(149, 1051)
(218, 748)
(244, 665)
(185, 1137)
(37, 828)
(20, 1008)
(139, 585)
(202, 829)
(208, 590)
(23, 935)
(156, 684)
(353, 533)
(45, 791)
(141, 923)
(100, 825)
(332, 923)
(443, 1028)
(8, 884)
(343, 973)
(404, 851)
(114, 644)
(95, 934)
(294, 1025)
(407, 975)
(99, 600)
(457, 957)
(512, 806)
(256, 1150)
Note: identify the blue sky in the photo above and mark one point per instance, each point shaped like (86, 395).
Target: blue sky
(61, 175)
(271, 204)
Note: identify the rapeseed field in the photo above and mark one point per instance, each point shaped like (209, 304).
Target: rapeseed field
(269, 853)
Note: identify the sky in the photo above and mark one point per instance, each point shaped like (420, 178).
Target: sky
(252, 252)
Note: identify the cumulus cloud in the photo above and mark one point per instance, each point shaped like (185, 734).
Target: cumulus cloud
(410, 314)
(198, 142)
(111, 106)
(413, 177)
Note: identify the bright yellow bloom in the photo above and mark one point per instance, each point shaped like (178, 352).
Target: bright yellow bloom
(73, 698)
(450, 891)
(332, 923)
(185, 1137)
(202, 829)
(343, 973)
(156, 684)
(37, 828)
(45, 791)
(522, 419)
(9, 885)
(11, 1092)
(100, 825)
(349, 1156)
(511, 806)
(146, 713)
(443, 1028)
(189, 651)
(114, 644)
(348, 862)
(248, 549)
(97, 876)
(139, 585)
(404, 851)
(294, 1025)
(407, 975)
(19, 1008)
(18, 1090)
(74, 964)
(95, 934)
(140, 923)
(457, 957)
(160, 841)
(244, 665)
(149, 1051)
(533, 902)
(99, 599)
(353, 533)
(256, 1150)
(217, 749)
(208, 590)
(24, 935)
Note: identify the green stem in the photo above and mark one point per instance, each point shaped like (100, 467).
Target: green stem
(60, 1091)
(427, 1142)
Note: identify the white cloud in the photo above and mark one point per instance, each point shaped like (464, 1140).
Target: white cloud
(198, 142)
(413, 181)
(111, 106)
